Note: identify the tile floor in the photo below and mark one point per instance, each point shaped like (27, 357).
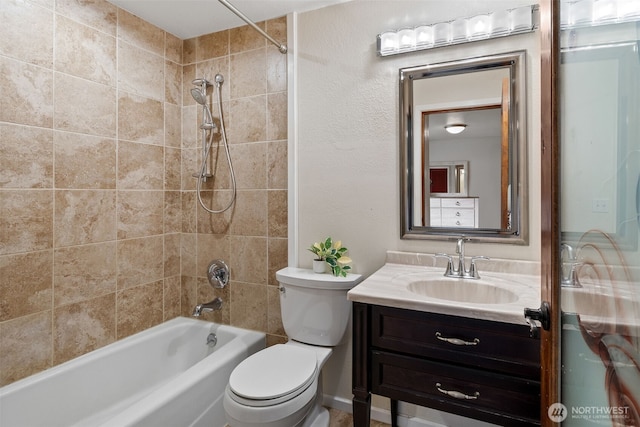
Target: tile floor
(344, 419)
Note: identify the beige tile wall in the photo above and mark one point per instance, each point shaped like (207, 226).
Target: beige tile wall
(100, 234)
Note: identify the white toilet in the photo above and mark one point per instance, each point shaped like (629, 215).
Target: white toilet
(281, 386)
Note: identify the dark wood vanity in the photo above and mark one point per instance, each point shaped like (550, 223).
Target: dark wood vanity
(479, 369)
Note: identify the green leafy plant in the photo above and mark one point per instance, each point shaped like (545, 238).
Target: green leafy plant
(333, 253)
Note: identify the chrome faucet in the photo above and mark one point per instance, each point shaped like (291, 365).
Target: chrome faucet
(215, 304)
(461, 270)
(570, 279)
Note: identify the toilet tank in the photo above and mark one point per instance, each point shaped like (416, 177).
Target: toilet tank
(314, 307)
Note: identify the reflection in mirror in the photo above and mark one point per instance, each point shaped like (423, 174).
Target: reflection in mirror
(462, 141)
(599, 111)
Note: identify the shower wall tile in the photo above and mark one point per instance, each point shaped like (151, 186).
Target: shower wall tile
(139, 308)
(25, 221)
(189, 205)
(172, 125)
(248, 305)
(210, 247)
(82, 327)
(248, 70)
(25, 346)
(84, 106)
(31, 43)
(188, 254)
(172, 83)
(140, 166)
(26, 93)
(172, 169)
(140, 213)
(140, 71)
(277, 172)
(172, 211)
(85, 52)
(84, 272)
(25, 284)
(276, 71)
(277, 116)
(140, 33)
(140, 119)
(274, 317)
(244, 248)
(173, 48)
(172, 298)
(188, 295)
(277, 28)
(247, 119)
(278, 218)
(190, 132)
(172, 255)
(242, 39)
(189, 49)
(250, 215)
(212, 45)
(26, 157)
(84, 161)
(84, 216)
(278, 258)
(250, 163)
(208, 69)
(99, 14)
(140, 261)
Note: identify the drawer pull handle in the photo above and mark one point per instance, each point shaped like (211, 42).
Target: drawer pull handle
(457, 341)
(457, 394)
(457, 202)
(457, 213)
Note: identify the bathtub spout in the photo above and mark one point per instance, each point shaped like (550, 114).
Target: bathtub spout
(216, 304)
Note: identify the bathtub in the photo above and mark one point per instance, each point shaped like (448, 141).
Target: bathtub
(164, 376)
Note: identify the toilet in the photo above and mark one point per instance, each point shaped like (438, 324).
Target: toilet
(281, 386)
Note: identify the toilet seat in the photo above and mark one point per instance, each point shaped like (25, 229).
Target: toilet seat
(274, 375)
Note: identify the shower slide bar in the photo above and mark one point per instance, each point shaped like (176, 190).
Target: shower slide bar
(282, 48)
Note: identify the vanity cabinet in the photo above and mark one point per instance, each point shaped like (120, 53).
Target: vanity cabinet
(480, 369)
(454, 212)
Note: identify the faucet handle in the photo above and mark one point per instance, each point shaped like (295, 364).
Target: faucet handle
(473, 270)
(450, 269)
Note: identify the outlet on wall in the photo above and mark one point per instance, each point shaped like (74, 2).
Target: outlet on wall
(600, 205)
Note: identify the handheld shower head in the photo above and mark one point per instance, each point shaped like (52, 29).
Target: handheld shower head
(199, 96)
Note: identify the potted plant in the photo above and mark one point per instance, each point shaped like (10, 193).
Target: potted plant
(333, 254)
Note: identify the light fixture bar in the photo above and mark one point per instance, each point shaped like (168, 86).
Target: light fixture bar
(589, 13)
(461, 30)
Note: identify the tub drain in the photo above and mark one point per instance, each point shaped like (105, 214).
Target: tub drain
(212, 340)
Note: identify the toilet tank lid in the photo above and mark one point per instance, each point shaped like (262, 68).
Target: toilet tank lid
(306, 278)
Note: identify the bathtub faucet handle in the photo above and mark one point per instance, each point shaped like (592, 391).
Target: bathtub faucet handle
(218, 273)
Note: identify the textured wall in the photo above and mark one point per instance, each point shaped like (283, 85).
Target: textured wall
(96, 198)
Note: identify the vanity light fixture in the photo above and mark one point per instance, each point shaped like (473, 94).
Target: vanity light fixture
(587, 13)
(461, 30)
(456, 128)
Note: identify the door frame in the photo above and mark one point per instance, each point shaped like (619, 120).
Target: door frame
(550, 211)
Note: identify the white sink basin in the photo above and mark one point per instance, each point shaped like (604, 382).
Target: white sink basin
(462, 290)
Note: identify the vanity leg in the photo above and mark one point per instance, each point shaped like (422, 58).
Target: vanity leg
(394, 413)
(362, 410)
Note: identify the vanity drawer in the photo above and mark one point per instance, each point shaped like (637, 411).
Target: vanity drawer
(457, 217)
(499, 347)
(469, 202)
(502, 399)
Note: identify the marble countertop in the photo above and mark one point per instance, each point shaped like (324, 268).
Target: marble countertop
(389, 286)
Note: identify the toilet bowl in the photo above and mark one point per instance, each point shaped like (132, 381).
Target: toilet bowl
(281, 386)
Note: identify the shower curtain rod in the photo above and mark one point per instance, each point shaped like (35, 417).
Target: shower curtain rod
(282, 48)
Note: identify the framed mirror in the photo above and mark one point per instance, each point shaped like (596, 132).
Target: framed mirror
(463, 149)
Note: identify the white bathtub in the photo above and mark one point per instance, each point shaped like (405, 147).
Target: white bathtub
(164, 376)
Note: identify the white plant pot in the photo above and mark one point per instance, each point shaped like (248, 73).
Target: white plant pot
(319, 266)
